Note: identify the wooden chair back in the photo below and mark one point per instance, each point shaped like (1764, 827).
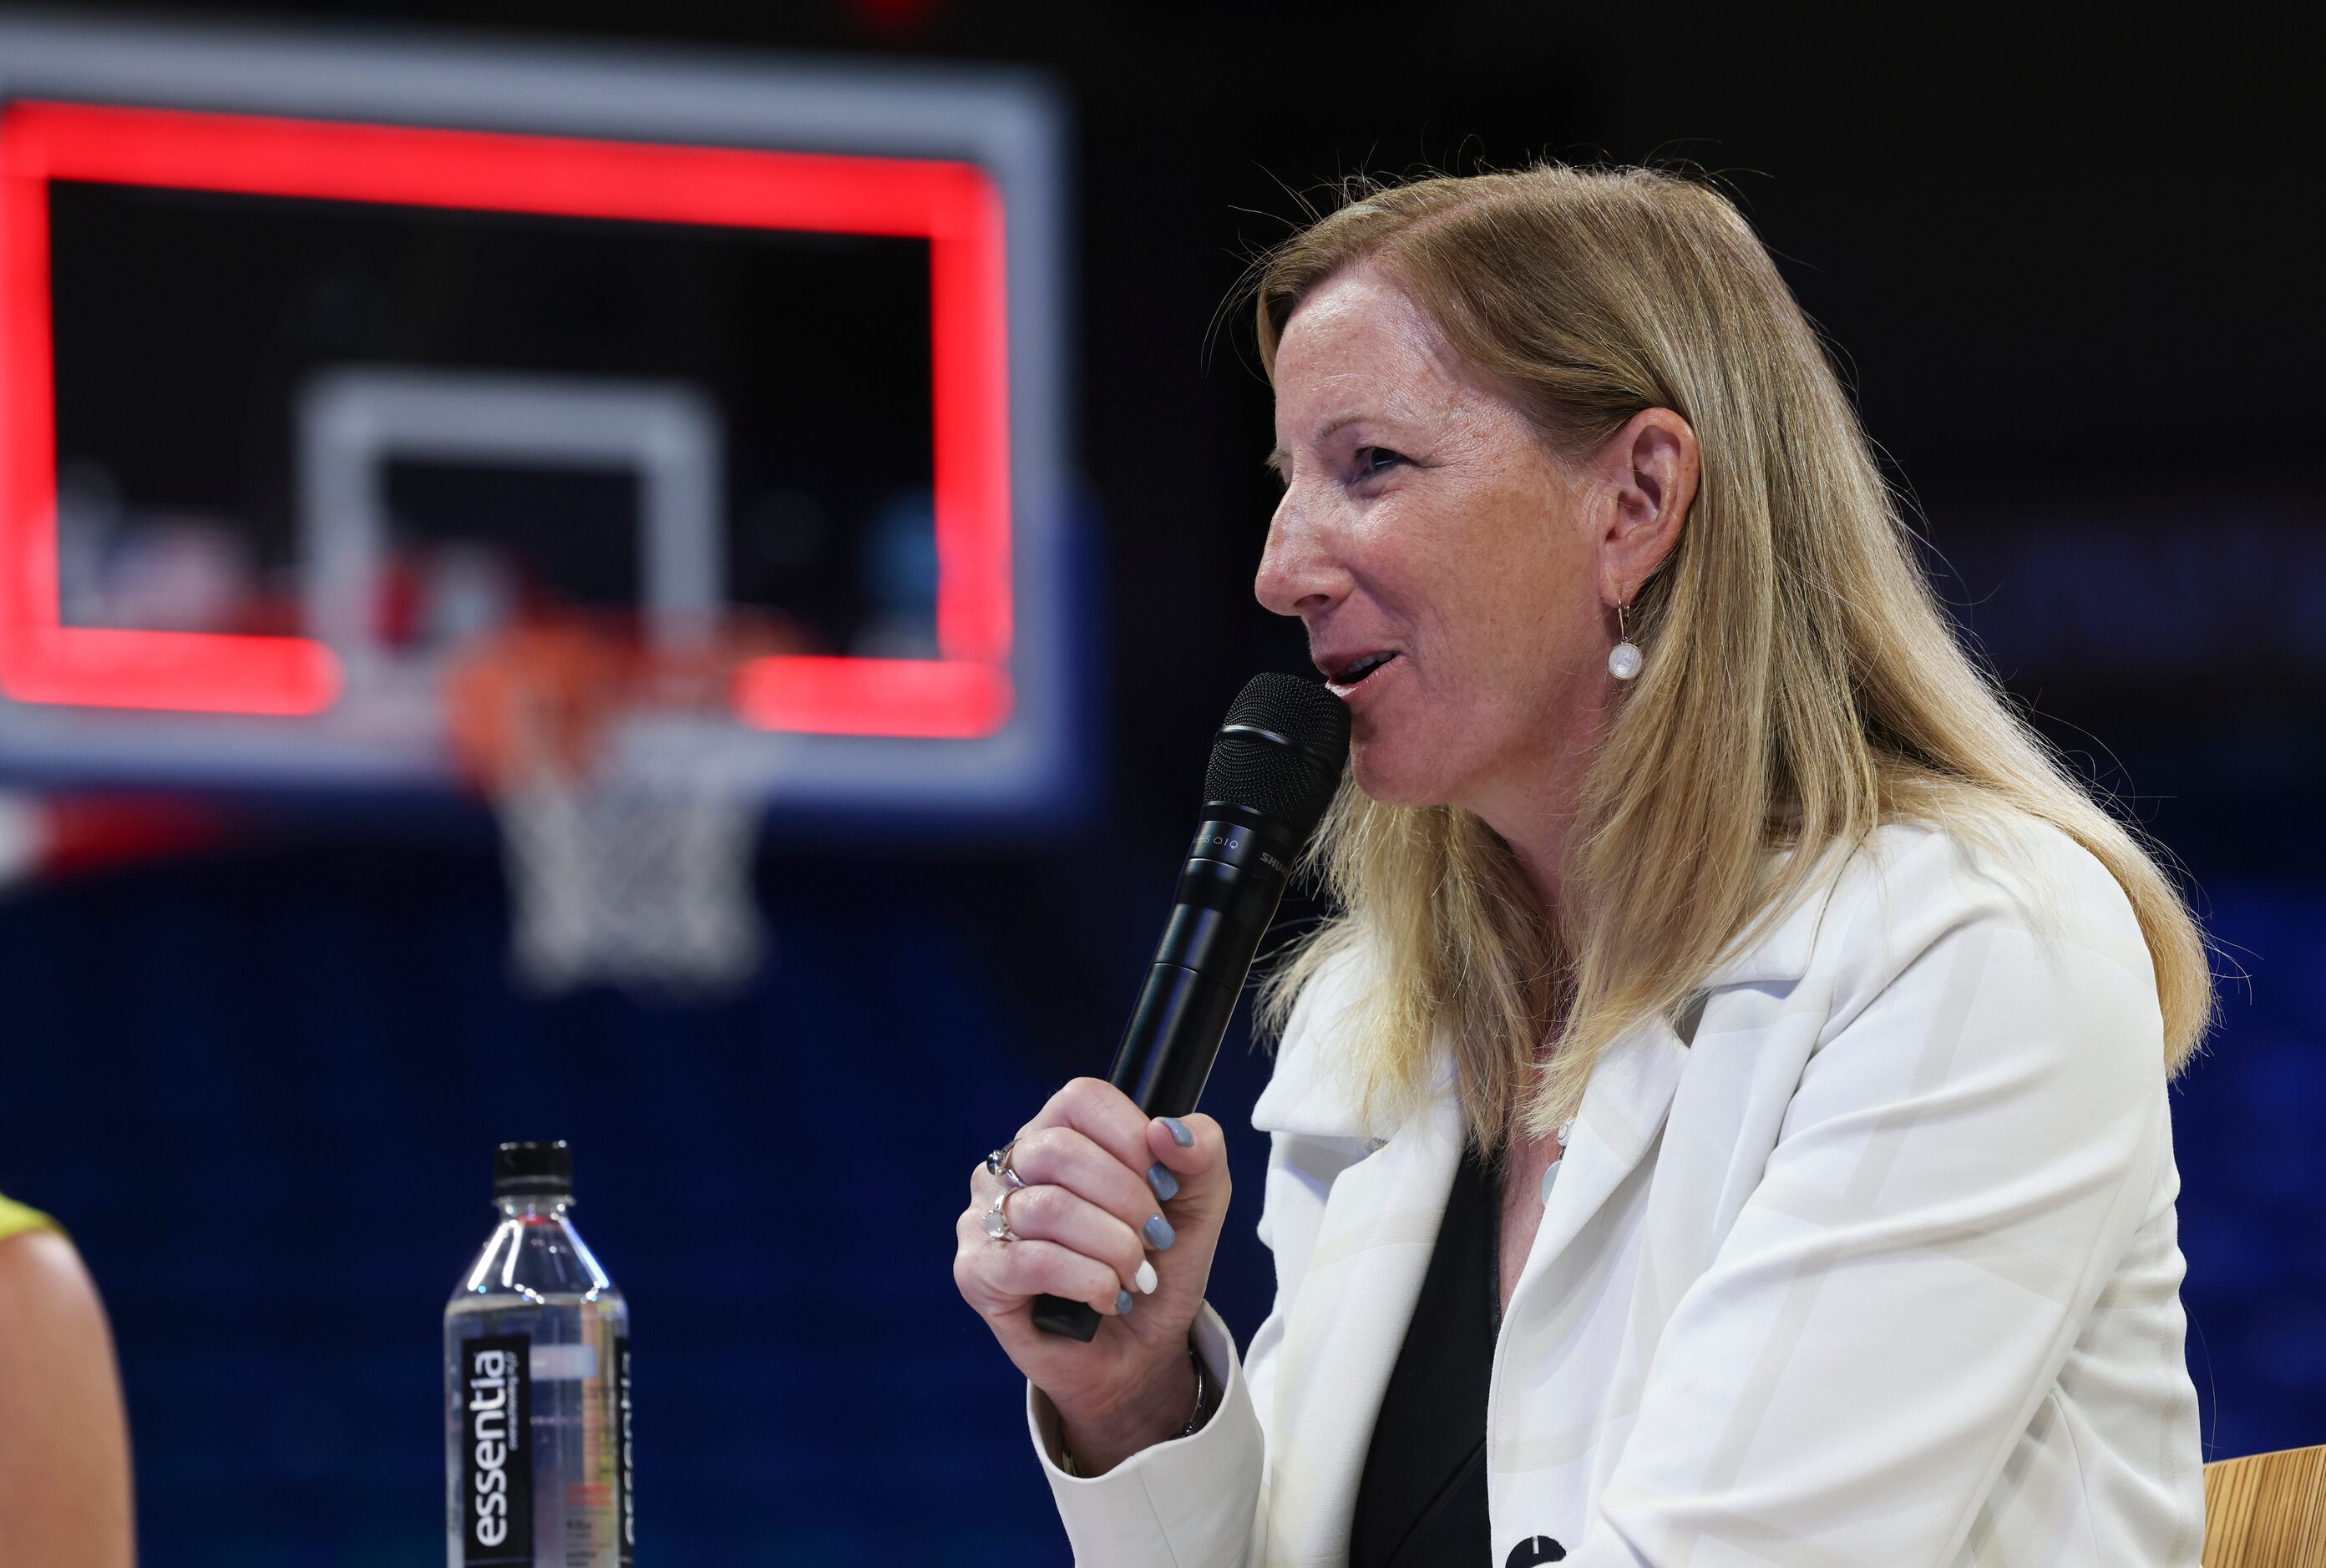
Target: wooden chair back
(2267, 1510)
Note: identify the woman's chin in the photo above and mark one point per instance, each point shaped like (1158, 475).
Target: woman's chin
(1393, 780)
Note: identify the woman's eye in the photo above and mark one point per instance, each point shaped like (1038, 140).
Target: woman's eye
(1371, 460)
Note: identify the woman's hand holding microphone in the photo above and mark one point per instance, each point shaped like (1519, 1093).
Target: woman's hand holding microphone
(1118, 1210)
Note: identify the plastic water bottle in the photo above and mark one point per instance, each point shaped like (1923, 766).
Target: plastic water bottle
(537, 1385)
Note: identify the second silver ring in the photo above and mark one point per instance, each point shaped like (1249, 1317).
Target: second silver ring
(996, 1217)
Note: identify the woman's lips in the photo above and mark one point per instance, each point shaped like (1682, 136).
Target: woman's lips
(1368, 677)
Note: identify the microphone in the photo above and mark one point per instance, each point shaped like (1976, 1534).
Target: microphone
(1275, 762)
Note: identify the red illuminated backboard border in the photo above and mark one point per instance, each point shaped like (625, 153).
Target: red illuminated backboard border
(965, 692)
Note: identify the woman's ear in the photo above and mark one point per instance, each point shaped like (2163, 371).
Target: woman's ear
(1650, 468)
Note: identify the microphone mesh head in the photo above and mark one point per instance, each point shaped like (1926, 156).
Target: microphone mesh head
(1287, 774)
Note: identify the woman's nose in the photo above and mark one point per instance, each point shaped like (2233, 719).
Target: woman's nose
(1297, 574)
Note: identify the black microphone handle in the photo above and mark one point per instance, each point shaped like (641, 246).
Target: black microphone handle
(1234, 878)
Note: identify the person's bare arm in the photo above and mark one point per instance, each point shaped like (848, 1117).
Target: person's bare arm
(64, 1442)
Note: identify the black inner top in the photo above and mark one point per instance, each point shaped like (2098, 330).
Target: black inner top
(1422, 1499)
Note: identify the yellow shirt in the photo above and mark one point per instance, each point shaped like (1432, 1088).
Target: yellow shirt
(15, 1218)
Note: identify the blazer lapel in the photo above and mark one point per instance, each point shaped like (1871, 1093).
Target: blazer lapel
(1373, 1248)
(1632, 1089)
(1623, 1112)
(1381, 1222)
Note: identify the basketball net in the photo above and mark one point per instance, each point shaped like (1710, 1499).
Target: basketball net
(640, 879)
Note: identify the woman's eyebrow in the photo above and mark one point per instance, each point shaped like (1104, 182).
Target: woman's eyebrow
(1281, 460)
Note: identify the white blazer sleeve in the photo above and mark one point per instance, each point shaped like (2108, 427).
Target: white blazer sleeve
(1187, 1503)
(1972, 1145)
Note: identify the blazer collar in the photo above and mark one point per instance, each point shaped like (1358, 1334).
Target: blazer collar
(1382, 1213)
(1780, 952)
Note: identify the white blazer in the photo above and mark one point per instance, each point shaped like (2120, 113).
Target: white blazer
(1868, 1257)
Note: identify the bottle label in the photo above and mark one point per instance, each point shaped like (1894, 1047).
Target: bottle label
(626, 1509)
(497, 1461)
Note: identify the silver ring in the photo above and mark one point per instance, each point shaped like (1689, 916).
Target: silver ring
(996, 1217)
(998, 1162)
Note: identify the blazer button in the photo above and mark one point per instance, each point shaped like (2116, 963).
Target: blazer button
(1535, 1549)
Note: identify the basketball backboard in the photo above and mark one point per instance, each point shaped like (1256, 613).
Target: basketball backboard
(321, 359)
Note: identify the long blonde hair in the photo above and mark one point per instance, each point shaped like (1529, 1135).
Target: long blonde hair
(1802, 684)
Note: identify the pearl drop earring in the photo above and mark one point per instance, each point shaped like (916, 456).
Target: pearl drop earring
(1624, 658)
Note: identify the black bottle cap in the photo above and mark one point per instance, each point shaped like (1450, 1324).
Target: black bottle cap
(526, 1169)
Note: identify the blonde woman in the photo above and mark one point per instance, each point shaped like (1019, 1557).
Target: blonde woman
(1727, 1121)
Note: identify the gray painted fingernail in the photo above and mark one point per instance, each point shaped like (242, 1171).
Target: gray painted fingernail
(1180, 1132)
(1122, 1303)
(1165, 1183)
(1160, 1234)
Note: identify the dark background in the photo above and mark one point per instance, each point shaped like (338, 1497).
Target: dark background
(2067, 261)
